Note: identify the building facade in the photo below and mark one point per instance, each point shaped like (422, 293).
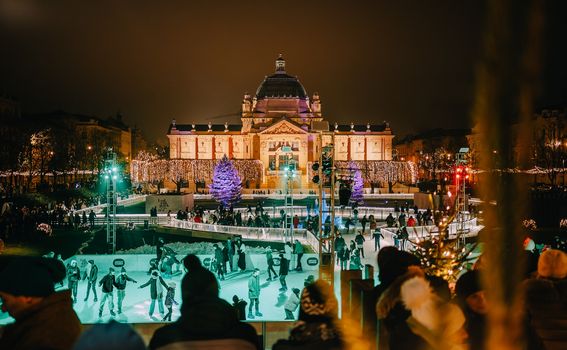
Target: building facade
(280, 122)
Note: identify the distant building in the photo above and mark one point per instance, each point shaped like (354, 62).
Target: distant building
(411, 147)
(10, 131)
(278, 122)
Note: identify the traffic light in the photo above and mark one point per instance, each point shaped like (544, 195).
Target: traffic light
(315, 168)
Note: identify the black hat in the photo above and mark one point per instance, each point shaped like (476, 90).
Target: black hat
(91, 261)
(468, 284)
(122, 269)
(15, 272)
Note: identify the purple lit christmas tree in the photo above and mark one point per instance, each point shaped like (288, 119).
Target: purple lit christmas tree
(357, 186)
(226, 187)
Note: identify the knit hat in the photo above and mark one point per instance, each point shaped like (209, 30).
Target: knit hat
(198, 282)
(552, 264)
(111, 269)
(468, 284)
(91, 262)
(15, 272)
(122, 269)
(318, 301)
(110, 336)
(191, 261)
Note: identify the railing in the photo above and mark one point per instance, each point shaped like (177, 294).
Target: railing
(423, 232)
(131, 199)
(378, 213)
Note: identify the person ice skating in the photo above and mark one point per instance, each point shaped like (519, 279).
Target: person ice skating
(377, 235)
(159, 246)
(120, 284)
(219, 262)
(254, 294)
(156, 291)
(58, 257)
(339, 244)
(344, 256)
(298, 250)
(169, 301)
(91, 276)
(390, 221)
(270, 262)
(240, 307)
(242, 256)
(73, 277)
(107, 283)
(359, 239)
(284, 268)
(288, 250)
(43, 318)
(225, 257)
(363, 223)
(355, 260)
(291, 304)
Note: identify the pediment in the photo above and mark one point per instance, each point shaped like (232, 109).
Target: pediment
(283, 127)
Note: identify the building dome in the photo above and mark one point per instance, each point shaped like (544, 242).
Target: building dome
(280, 84)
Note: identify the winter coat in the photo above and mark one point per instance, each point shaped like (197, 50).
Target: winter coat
(311, 336)
(107, 283)
(155, 288)
(254, 287)
(269, 258)
(204, 319)
(73, 273)
(218, 256)
(359, 239)
(284, 266)
(339, 243)
(298, 248)
(288, 252)
(546, 305)
(170, 297)
(120, 281)
(292, 302)
(51, 324)
(93, 274)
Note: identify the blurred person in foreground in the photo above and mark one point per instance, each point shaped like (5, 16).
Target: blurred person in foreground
(44, 318)
(318, 326)
(206, 319)
(110, 336)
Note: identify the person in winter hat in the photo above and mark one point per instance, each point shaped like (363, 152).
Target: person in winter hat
(439, 323)
(73, 277)
(110, 336)
(107, 283)
(156, 291)
(91, 276)
(169, 301)
(254, 293)
(44, 318)
(318, 325)
(291, 304)
(120, 284)
(204, 316)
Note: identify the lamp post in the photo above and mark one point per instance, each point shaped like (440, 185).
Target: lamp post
(289, 173)
(111, 175)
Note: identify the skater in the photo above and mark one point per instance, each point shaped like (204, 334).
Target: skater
(390, 221)
(120, 285)
(156, 291)
(91, 276)
(240, 307)
(291, 304)
(404, 236)
(73, 277)
(107, 283)
(159, 246)
(242, 257)
(219, 262)
(270, 261)
(355, 260)
(288, 249)
(298, 250)
(377, 235)
(359, 239)
(225, 257)
(363, 223)
(169, 301)
(284, 268)
(254, 294)
(58, 257)
(339, 245)
(344, 255)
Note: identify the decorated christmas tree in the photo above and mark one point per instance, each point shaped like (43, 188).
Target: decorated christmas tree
(357, 186)
(226, 187)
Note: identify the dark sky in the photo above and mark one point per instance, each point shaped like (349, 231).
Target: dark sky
(411, 63)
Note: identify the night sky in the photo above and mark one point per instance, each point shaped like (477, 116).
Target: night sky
(411, 63)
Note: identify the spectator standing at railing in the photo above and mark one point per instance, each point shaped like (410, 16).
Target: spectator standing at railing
(411, 221)
(419, 218)
(84, 218)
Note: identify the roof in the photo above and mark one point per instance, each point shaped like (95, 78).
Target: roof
(281, 85)
(205, 127)
(359, 127)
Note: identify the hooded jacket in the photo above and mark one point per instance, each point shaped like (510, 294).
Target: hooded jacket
(204, 318)
(51, 324)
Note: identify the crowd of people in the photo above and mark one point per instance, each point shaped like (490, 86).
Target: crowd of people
(414, 310)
